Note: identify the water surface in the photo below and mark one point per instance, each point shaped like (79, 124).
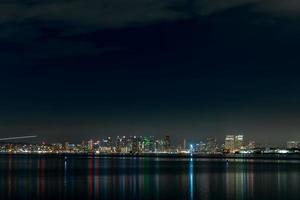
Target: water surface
(54, 177)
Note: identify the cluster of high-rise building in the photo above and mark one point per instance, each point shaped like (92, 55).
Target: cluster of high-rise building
(209, 146)
(124, 144)
(149, 144)
(131, 144)
(233, 143)
(236, 143)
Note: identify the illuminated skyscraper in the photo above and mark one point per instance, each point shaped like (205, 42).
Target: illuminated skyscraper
(141, 144)
(118, 144)
(238, 142)
(135, 144)
(106, 145)
(200, 147)
(82, 146)
(90, 145)
(234, 143)
(152, 143)
(146, 144)
(123, 145)
(159, 145)
(129, 143)
(66, 146)
(167, 143)
(211, 145)
(229, 143)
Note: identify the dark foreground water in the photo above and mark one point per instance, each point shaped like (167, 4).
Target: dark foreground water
(54, 178)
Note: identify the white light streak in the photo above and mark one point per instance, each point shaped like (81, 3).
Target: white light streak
(18, 138)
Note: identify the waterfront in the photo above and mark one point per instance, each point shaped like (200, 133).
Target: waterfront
(77, 177)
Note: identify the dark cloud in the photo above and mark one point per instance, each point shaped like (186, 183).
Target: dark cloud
(106, 14)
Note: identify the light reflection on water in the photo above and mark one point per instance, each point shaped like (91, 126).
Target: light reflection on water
(34, 177)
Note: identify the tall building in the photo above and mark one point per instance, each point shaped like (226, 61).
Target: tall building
(106, 145)
(129, 143)
(141, 144)
(238, 142)
(292, 144)
(211, 145)
(66, 146)
(229, 143)
(123, 145)
(234, 143)
(167, 143)
(82, 146)
(90, 145)
(146, 144)
(152, 144)
(159, 145)
(135, 144)
(200, 147)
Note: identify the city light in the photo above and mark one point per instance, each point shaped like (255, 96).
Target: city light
(146, 145)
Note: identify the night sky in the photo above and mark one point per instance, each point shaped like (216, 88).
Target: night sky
(81, 69)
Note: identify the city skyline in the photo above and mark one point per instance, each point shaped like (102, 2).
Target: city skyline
(177, 139)
(231, 142)
(182, 136)
(150, 146)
